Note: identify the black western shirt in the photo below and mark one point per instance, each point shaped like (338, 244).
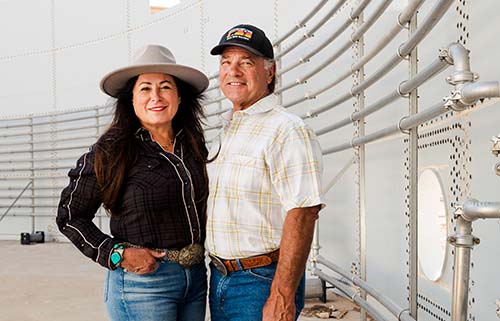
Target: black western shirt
(160, 205)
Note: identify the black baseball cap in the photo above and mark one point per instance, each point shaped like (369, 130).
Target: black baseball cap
(248, 37)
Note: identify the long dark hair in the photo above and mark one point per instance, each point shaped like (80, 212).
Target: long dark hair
(117, 148)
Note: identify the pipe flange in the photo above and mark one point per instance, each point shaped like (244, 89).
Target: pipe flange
(460, 240)
(461, 77)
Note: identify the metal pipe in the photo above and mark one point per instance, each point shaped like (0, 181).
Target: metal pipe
(406, 87)
(471, 92)
(315, 246)
(370, 21)
(436, 14)
(405, 124)
(360, 8)
(382, 299)
(353, 295)
(339, 175)
(15, 201)
(316, 50)
(337, 54)
(60, 130)
(21, 169)
(408, 12)
(301, 23)
(38, 159)
(45, 141)
(38, 150)
(51, 122)
(461, 269)
(37, 176)
(56, 113)
(474, 209)
(430, 21)
(310, 33)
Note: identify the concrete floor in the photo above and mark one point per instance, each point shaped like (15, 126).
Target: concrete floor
(54, 282)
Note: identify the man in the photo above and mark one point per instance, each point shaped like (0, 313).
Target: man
(265, 190)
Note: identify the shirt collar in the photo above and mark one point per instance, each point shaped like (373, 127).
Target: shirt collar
(143, 134)
(261, 106)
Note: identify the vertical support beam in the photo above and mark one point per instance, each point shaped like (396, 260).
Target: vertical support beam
(32, 155)
(361, 166)
(413, 181)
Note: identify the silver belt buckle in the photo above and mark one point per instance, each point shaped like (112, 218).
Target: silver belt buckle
(219, 265)
(190, 255)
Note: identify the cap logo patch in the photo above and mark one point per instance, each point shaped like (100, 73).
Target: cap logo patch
(239, 33)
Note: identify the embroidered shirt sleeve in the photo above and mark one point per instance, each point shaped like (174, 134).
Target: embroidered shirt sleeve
(78, 205)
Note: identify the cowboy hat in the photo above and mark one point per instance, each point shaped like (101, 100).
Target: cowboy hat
(152, 59)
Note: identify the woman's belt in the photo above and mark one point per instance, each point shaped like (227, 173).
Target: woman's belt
(227, 266)
(187, 256)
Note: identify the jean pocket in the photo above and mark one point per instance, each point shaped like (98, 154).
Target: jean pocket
(264, 273)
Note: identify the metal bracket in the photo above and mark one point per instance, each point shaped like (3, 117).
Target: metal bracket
(454, 101)
(461, 240)
(400, 93)
(444, 54)
(496, 169)
(495, 149)
(404, 131)
(496, 145)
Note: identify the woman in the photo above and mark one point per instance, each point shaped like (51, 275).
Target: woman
(148, 171)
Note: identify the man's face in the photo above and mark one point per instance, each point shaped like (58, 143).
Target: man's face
(243, 77)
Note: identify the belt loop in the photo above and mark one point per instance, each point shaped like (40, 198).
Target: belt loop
(239, 264)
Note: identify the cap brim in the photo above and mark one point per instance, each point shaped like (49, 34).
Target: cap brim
(217, 50)
(114, 81)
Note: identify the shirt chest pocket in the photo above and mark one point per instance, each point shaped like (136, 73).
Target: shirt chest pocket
(147, 171)
(244, 172)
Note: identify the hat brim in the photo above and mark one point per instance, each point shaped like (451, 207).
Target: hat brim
(114, 81)
(217, 50)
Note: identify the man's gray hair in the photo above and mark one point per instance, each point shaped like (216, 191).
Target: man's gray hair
(269, 63)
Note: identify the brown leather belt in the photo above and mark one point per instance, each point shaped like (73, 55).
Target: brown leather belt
(227, 266)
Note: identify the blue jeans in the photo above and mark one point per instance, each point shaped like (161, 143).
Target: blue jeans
(171, 293)
(241, 295)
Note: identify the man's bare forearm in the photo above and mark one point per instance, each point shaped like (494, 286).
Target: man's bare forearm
(295, 245)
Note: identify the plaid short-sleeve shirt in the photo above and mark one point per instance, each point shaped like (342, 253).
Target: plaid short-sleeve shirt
(269, 163)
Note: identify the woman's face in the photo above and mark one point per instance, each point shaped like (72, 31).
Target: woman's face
(155, 99)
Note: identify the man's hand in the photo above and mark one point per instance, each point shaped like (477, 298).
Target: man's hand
(279, 308)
